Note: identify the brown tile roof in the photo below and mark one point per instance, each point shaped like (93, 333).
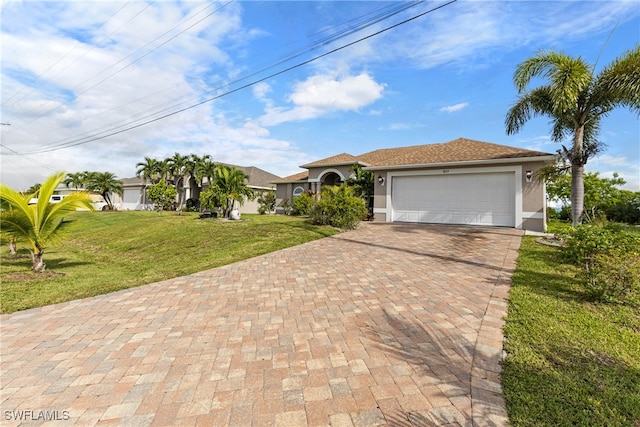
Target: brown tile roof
(258, 177)
(300, 176)
(458, 150)
(333, 160)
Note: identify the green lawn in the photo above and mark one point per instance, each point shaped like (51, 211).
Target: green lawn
(570, 362)
(102, 252)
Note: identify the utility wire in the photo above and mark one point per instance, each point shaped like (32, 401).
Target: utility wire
(82, 141)
(39, 77)
(378, 15)
(128, 56)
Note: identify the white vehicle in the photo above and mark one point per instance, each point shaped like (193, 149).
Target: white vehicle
(96, 200)
(56, 198)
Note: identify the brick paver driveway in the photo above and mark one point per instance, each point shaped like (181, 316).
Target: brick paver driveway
(386, 325)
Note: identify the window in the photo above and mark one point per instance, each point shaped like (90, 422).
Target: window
(298, 191)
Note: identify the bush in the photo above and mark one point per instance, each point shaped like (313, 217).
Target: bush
(193, 205)
(302, 204)
(624, 212)
(609, 261)
(338, 207)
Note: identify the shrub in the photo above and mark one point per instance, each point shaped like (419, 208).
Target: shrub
(163, 195)
(302, 204)
(193, 205)
(625, 212)
(267, 202)
(609, 261)
(338, 207)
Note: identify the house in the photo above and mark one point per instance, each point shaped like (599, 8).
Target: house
(457, 182)
(134, 196)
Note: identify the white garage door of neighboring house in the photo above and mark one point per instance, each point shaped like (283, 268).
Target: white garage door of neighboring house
(479, 199)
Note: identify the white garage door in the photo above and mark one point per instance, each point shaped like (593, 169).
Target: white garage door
(479, 199)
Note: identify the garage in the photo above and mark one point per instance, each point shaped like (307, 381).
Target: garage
(473, 198)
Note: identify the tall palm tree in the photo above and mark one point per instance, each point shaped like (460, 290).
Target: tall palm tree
(576, 99)
(104, 183)
(177, 166)
(205, 169)
(38, 223)
(151, 169)
(230, 187)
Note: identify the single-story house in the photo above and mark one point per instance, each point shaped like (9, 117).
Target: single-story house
(457, 182)
(135, 197)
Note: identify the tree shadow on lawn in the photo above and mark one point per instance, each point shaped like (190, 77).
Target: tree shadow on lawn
(23, 261)
(557, 286)
(576, 386)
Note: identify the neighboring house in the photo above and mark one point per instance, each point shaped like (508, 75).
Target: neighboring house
(458, 182)
(135, 197)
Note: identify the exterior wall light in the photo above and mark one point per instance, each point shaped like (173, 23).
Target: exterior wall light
(380, 179)
(528, 175)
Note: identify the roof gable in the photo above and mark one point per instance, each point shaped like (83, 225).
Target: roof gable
(339, 159)
(300, 176)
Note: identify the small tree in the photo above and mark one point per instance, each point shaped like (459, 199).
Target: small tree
(267, 201)
(362, 182)
(229, 188)
(104, 183)
(163, 195)
(41, 222)
(209, 199)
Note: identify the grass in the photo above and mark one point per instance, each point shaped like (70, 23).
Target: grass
(103, 252)
(570, 362)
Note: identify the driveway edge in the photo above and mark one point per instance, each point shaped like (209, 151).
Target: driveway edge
(488, 406)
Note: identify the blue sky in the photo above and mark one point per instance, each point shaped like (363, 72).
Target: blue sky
(76, 71)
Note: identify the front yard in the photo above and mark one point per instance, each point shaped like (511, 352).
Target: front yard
(103, 252)
(569, 361)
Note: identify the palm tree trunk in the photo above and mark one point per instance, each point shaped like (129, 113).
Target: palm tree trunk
(577, 177)
(577, 194)
(37, 264)
(13, 250)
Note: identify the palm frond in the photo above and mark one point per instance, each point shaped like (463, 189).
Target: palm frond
(568, 77)
(535, 103)
(619, 83)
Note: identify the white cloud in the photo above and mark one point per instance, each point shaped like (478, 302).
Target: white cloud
(606, 159)
(323, 94)
(455, 107)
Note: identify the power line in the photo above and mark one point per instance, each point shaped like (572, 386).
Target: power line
(373, 17)
(39, 76)
(376, 16)
(131, 126)
(130, 55)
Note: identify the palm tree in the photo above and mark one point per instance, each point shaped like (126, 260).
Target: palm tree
(230, 187)
(177, 166)
(151, 169)
(575, 99)
(104, 183)
(75, 180)
(205, 169)
(38, 223)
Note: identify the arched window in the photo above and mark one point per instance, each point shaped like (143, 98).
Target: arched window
(298, 191)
